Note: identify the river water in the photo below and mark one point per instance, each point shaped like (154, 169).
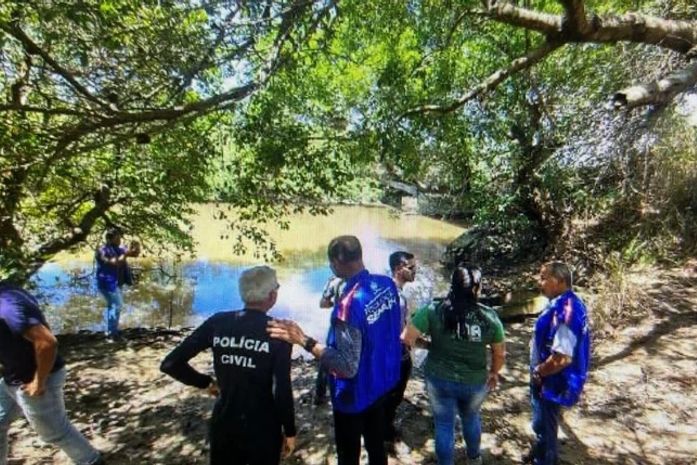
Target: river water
(185, 293)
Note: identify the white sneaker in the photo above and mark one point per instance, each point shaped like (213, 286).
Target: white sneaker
(477, 461)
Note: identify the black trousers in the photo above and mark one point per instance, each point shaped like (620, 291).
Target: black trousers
(245, 449)
(395, 397)
(348, 429)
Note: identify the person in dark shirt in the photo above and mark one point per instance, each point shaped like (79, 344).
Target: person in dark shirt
(33, 378)
(253, 420)
(362, 354)
(112, 273)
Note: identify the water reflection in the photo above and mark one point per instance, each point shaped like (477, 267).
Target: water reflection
(185, 294)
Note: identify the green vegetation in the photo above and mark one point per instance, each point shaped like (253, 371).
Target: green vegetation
(541, 123)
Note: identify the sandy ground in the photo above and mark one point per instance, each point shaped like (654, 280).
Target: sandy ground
(640, 405)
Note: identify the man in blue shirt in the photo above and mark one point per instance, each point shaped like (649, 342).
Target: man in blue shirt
(559, 359)
(33, 378)
(112, 273)
(362, 354)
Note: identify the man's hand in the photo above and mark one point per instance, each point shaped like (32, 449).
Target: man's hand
(34, 388)
(213, 389)
(286, 330)
(492, 380)
(535, 377)
(288, 446)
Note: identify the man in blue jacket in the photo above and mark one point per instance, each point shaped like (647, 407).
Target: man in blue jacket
(362, 355)
(559, 359)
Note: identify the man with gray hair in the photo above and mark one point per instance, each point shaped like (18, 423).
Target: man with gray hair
(559, 359)
(253, 417)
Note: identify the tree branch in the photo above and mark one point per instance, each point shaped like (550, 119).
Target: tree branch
(575, 18)
(32, 48)
(679, 36)
(491, 82)
(657, 92)
(522, 17)
(102, 203)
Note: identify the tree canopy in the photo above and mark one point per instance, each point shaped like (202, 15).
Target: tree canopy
(125, 113)
(109, 109)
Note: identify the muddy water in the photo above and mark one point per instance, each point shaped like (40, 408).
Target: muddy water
(183, 294)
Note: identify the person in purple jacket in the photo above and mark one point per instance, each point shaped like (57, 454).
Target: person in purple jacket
(112, 273)
(33, 377)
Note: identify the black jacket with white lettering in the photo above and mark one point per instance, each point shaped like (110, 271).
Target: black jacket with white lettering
(252, 370)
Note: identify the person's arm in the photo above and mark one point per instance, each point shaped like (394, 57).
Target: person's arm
(342, 360)
(410, 335)
(283, 396)
(420, 325)
(498, 358)
(45, 351)
(563, 347)
(111, 260)
(176, 364)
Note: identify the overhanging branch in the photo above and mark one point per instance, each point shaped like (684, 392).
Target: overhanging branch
(32, 48)
(657, 92)
(676, 35)
(491, 82)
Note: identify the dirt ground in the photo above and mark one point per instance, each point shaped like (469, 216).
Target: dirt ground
(640, 404)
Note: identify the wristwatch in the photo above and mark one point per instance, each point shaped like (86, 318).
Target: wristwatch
(309, 344)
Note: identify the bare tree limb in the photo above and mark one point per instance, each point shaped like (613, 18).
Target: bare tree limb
(657, 92)
(490, 82)
(522, 17)
(676, 35)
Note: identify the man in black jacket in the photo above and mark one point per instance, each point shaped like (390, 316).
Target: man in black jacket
(253, 418)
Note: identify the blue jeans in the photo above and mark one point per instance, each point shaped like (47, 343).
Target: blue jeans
(446, 397)
(46, 415)
(545, 424)
(114, 302)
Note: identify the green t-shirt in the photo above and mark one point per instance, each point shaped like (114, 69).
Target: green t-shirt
(462, 360)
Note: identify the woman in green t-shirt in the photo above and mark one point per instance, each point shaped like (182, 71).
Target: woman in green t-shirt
(457, 378)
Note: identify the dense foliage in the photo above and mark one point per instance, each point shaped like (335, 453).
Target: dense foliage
(123, 112)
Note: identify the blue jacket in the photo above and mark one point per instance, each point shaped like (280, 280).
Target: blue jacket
(369, 303)
(111, 276)
(565, 387)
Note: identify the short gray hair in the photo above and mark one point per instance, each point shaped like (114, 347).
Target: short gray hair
(256, 283)
(560, 271)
